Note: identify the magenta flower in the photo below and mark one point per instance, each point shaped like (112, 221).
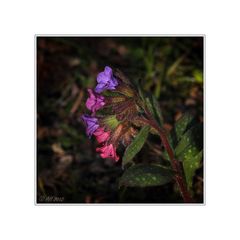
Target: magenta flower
(106, 80)
(108, 151)
(91, 123)
(95, 101)
(101, 136)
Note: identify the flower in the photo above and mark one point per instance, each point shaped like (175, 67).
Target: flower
(91, 123)
(95, 101)
(106, 80)
(101, 136)
(108, 151)
(117, 124)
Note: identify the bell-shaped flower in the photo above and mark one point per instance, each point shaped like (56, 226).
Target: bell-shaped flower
(91, 124)
(101, 136)
(106, 80)
(95, 101)
(108, 151)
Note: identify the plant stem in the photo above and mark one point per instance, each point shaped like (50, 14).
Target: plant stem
(179, 177)
(180, 180)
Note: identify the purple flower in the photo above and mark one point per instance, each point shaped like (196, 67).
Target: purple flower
(91, 124)
(106, 80)
(95, 101)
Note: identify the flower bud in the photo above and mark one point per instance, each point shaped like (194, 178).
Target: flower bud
(110, 121)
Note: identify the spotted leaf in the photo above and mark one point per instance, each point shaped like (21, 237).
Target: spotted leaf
(142, 175)
(136, 145)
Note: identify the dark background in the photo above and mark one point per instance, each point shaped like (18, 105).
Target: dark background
(68, 169)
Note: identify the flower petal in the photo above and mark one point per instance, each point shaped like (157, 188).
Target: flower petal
(108, 151)
(101, 136)
(91, 124)
(95, 101)
(106, 80)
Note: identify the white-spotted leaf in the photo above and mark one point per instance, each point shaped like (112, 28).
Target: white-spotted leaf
(142, 175)
(136, 145)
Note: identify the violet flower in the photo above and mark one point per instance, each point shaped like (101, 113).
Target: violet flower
(106, 80)
(95, 101)
(91, 123)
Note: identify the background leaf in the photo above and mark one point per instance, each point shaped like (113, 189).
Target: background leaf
(136, 145)
(145, 175)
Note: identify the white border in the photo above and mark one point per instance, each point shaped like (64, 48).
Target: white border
(35, 120)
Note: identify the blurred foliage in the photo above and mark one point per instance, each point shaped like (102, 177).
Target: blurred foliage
(170, 68)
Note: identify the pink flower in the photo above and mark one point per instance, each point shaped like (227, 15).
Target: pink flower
(95, 101)
(108, 151)
(101, 136)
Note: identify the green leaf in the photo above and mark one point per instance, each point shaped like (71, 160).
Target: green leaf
(136, 145)
(182, 125)
(198, 75)
(190, 165)
(187, 142)
(172, 69)
(192, 137)
(157, 111)
(66, 142)
(189, 151)
(149, 105)
(143, 175)
(190, 141)
(153, 107)
(70, 130)
(140, 91)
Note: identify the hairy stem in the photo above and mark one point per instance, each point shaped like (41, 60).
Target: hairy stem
(176, 166)
(180, 180)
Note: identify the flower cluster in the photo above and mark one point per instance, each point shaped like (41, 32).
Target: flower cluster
(112, 105)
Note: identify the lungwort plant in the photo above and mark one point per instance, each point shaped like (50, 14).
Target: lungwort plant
(122, 114)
